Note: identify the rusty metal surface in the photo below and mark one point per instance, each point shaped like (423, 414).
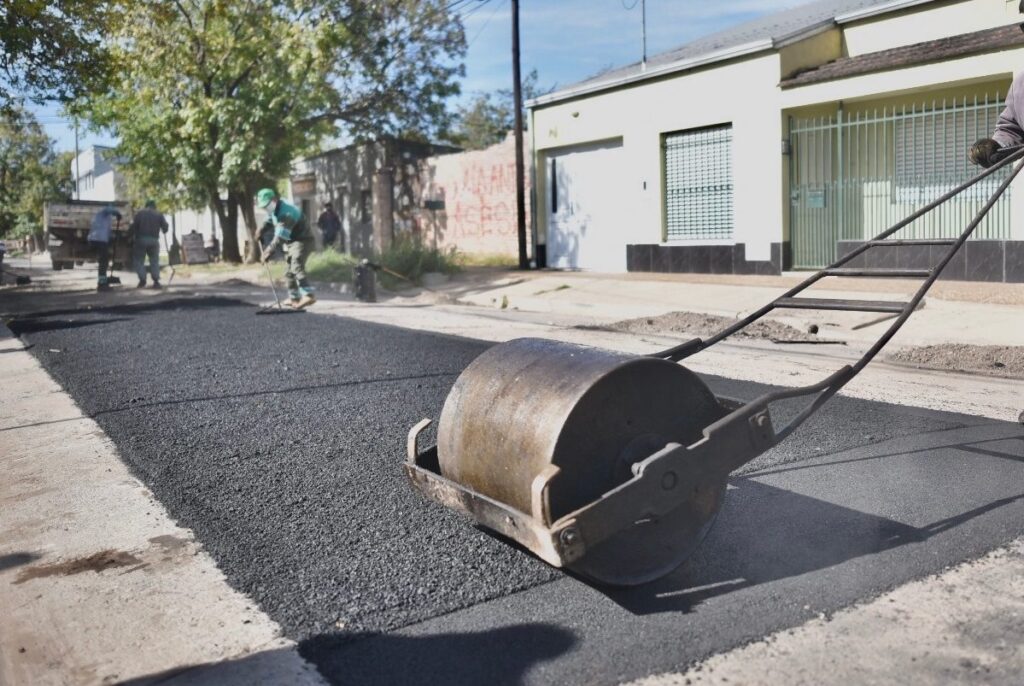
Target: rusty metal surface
(547, 429)
(528, 403)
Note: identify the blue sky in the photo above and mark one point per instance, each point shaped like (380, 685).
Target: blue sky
(564, 40)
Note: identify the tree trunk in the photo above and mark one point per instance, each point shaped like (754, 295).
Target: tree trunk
(249, 217)
(227, 214)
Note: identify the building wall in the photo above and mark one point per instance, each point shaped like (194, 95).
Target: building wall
(396, 178)
(345, 178)
(642, 113)
(931, 81)
(759, 112)
(926, 22)
(478, 188)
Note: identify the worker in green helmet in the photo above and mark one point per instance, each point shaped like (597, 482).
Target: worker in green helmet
(291, 231)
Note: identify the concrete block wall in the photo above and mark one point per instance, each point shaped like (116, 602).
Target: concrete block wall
(478, 188)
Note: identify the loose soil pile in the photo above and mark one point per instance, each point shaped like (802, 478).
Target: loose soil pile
(704, 325)
(993, 360)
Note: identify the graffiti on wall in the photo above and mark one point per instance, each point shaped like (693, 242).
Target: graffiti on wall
(478, 189)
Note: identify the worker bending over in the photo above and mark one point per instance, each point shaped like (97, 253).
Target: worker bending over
(292, 231)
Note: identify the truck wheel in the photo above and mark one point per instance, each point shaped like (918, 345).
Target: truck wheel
(57, 266)
(79, 263)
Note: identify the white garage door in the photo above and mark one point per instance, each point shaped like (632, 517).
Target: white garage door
(584, 208)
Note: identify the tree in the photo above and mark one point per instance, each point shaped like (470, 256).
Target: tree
(215, 98)
(30, 174)
(53, 50)
(488, 117)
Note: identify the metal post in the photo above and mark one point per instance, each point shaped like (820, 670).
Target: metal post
(643, 29)
(840, 200)
(77, 174)
(517, 90)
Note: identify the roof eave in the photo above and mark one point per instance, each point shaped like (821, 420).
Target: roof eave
(875, 10)
(655, 72)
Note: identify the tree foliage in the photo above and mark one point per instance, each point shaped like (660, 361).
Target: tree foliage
(30, 173)
(215, 98)
(53, 50)
(488, 117)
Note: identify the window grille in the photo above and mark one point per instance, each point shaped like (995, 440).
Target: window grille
(698, 183)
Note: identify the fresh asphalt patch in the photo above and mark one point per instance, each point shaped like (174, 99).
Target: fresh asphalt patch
(279, 441)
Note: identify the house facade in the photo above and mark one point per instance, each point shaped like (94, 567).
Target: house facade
(384, 189)
(781, 143)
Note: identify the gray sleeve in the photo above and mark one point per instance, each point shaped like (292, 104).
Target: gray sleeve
(1008, 126)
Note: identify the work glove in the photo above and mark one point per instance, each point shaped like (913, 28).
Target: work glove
(983, 152)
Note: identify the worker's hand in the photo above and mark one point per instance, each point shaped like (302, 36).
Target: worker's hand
(983, 152)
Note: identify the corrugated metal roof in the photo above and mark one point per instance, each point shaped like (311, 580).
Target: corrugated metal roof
(756, 35)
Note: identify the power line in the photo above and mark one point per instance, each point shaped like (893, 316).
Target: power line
(486, 22)
(456, 3)
(481, 4)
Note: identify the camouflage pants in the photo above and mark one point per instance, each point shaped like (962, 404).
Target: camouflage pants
(295, 255)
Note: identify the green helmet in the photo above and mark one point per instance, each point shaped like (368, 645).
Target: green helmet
(264, 197)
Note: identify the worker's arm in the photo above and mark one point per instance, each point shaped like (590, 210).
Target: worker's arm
(1008, 128)
(163, 224)
(272, 246)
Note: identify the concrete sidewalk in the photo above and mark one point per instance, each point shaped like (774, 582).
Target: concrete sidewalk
(954, 312)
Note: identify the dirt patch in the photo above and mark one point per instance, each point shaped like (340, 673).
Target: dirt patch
(97, 562)
(993, 360)
(704, 325)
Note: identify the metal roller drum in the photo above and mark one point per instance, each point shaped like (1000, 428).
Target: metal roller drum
(529, 404)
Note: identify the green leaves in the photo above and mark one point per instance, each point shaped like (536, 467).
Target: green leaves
(53, 50)
(30, 173)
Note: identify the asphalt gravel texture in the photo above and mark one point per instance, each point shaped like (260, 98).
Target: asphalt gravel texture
(279, 440)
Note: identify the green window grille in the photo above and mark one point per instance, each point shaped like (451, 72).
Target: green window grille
(698, 183)
(853, 175)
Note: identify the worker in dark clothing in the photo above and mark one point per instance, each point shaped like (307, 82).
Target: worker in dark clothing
(146, 226)
(100, 234)
(330, 226)
(291, 231)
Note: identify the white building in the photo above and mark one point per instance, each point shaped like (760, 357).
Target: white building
(781, 143)
(97, 178)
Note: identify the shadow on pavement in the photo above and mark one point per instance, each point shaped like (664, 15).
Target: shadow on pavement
(497, 657)
(12, 560)
(29, 326)
(105, 306)
(746, 552)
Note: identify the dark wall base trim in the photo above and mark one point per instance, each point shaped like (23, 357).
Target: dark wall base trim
(994, 261)
(700, 259)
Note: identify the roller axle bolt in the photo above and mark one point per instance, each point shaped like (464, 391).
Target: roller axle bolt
(569, 537)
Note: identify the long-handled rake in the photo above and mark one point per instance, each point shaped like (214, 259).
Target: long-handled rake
(170, 265)
(270, 309)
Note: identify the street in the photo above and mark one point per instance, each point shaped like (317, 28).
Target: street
(278, 440)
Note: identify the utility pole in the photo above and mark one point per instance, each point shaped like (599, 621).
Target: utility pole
(517, 92)
(77, 192)
(643, 30)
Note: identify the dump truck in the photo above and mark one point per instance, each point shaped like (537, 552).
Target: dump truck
(67, 230)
